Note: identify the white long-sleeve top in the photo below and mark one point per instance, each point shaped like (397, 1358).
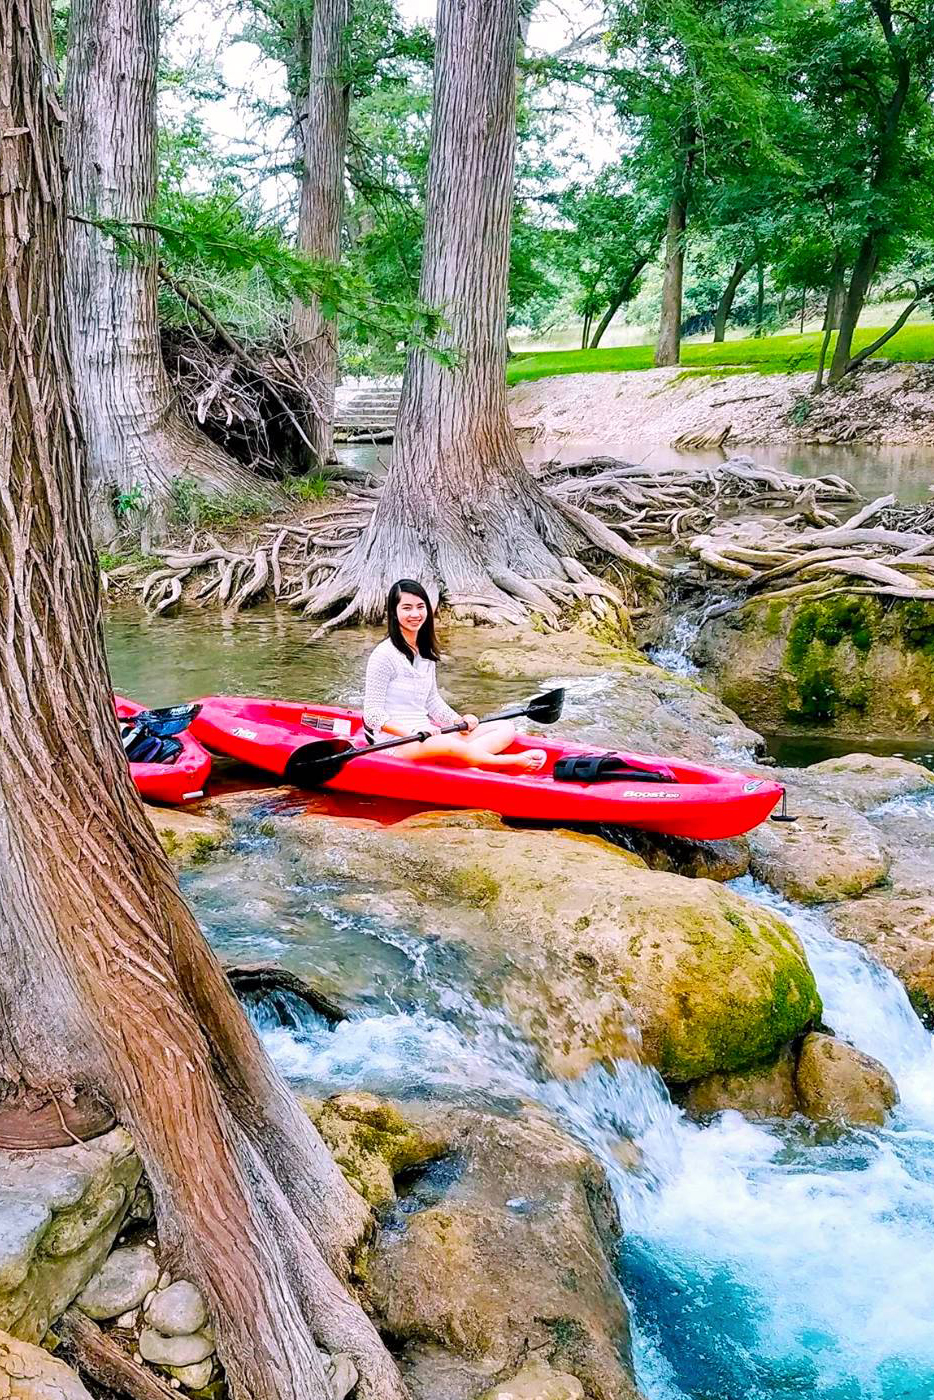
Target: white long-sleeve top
(402, 692)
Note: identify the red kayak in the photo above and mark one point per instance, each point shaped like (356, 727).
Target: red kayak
(679, 799)
(170, 767)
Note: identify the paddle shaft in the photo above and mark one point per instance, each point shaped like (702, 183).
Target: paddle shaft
(546, 708)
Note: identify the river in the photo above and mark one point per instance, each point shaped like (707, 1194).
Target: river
(759, 1263)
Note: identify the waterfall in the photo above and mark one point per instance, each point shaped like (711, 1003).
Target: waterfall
(760, 1262)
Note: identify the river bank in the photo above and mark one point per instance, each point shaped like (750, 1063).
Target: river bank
(884, 404)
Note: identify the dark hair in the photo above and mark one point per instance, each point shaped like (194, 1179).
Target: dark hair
(425, 641)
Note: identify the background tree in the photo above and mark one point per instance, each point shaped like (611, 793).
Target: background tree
(459, 510)
(138, 444)
(321, 206)
(108, 992)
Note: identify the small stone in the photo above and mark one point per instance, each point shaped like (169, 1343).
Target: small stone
(193, 1377)
(138, 1358)
(148, 1299)
(537, 1381)
(142, 1207)
(127, 1320)
(174, 1351)
(165, 1278)
(341, 1373)
(121, 1284)
(175, 1383)
(151, 1243)
(178, 1310)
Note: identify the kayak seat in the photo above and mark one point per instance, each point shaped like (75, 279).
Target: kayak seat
(142, 747)
(606, 768)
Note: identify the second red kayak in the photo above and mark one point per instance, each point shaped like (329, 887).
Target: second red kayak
(175, 769)
(693, 801)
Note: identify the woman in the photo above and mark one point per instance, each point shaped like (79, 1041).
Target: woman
(402, 695)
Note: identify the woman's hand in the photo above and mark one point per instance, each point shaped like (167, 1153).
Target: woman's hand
(470, 721)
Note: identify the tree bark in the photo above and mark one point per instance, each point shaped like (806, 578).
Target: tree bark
(760, 295)
(725, 304)
(622, 294)
(459, 510)
(107, 988)
(136, 439)
(836, 296)
(867, 258)
(321, 207)
(668, 345)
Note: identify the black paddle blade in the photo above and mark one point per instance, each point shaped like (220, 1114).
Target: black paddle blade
(172, 719)
(314, 764)
(546, 709)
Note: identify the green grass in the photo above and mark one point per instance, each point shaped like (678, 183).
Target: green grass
(773, 354)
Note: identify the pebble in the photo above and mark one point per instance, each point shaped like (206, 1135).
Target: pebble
(128, 1319)
(174, 1351)
(178, 1310)
(341, 1373)
(193, 1377)
(121, 1283)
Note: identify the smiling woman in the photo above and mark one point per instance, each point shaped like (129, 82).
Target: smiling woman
(402, 695)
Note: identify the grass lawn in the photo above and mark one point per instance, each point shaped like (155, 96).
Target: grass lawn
(773, 354)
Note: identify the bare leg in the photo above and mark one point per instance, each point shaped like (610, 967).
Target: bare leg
(481, 749)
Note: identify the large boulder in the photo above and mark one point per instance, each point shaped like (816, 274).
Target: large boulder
(865, 781)
(507, 1254)
(831, 852)
(652, 711)
(594, 956)
(898, 930)
(848, 661)
(837, 1083)
(896, 924)
(60, 1210)
(27, 1372)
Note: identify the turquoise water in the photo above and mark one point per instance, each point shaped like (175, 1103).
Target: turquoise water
(759, 1263)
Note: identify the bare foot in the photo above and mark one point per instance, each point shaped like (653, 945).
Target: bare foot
(533, 761)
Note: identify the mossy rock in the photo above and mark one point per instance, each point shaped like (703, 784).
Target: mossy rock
(372, 1142)
(851, 661)
(594, 956)
(189, 837)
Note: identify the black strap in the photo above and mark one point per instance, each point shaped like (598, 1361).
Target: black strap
(606, 768)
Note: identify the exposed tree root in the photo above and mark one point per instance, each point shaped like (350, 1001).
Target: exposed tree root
(893, 558)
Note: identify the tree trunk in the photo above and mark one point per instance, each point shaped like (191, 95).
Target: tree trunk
(137, 442)
(760, 296)
(853, 303)
(725, 305)
(321, 207)
(836, 296)
(619, 298)
(459, 510)
(668, 345)
(108, 991)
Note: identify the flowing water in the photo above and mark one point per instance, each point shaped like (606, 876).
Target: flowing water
(762, 1263)
(759, 1263)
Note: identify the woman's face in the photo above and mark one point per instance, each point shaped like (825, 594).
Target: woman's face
(411, 612)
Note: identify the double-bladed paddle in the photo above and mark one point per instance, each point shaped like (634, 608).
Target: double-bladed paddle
(318, 762)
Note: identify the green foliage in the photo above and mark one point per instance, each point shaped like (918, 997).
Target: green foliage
(916, 621)
(801, 411)
(779, 354)
(308, 488)
(126, 502)
(191, 508)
